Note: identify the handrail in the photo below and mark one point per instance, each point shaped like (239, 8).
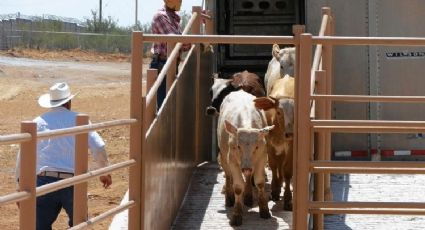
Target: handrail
(220, 39)
(81, 178)
(104, 215)
(14, 197)
(318, 50)
(367, 122)
(23, 137)
(84, 128)
(15, 138)
(172, 56)
(370, 98)
(383, 41)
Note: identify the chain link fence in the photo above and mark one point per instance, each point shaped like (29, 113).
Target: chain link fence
(53, 34)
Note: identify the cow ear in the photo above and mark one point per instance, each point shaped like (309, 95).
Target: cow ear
(264, 103)
(230, 128)
(214, 76)
(276, 51)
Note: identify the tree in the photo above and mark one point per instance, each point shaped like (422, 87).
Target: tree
(107, 25)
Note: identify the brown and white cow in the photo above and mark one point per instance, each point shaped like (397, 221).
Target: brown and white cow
(249, 82)
(279, 107)
(241, 133)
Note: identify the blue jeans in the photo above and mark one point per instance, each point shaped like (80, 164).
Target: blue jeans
(161, 93)
(50, 205)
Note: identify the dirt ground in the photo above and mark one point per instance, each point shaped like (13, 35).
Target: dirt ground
(103, 86)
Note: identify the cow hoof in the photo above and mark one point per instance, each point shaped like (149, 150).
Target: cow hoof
(265, 214)
(287, 206)
(230, 201)
(248, 200)
(276, 195)
(236, 220)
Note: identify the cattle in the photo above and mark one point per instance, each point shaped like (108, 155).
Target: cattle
(241, 133)
(249, 82)
(282, 63)
(279, 107)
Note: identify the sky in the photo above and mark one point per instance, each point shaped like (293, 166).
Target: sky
(122, 11)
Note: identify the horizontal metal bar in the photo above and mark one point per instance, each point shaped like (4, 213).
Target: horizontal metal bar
(370, 205)
(369, 129)
(371, 164)
(14, 197)
(84, 128)
(44, 189)
(384, 41)
(387, 208)
(369, 98)
(386, 123)
(105, 215)
(408, 212)
(219, 39)
(367, 167)
(365, 170)
(369, 126)
(15, 138)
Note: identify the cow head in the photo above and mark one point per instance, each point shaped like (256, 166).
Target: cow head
(247, 145)
(286, 58)
(220, 88)
(280, 111)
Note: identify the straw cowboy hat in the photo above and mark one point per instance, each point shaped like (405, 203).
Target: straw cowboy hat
(58, 95)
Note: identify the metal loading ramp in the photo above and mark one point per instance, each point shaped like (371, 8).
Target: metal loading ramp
(203, 206)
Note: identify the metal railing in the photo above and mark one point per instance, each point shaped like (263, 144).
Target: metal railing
(27, 187)
(308, 163)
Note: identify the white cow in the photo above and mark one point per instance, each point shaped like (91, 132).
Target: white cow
(241, 133)
(282, 63)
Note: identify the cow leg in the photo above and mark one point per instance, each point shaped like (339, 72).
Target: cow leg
(287, 172)
(276, 181)
(262, 199)
(247, 193)
(238, 186)
(228, 185)
(229, 193)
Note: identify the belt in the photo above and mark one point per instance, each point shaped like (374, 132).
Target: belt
(61, 175)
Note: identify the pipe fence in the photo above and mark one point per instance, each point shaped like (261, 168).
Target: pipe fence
(313, 152)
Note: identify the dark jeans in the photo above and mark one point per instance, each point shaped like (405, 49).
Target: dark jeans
(160, 96)
(50, 205)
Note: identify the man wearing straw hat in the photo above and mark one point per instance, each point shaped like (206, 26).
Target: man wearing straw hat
(55, 157)
(165, 21)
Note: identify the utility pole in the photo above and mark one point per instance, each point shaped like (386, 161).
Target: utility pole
(135, 19)
(100, 11)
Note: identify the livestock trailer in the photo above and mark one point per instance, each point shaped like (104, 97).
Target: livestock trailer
(374, 70)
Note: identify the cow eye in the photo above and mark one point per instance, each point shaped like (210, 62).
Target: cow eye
(239, 147)
(256, 147)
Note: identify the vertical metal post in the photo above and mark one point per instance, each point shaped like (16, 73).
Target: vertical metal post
(135, 214)
(297, 30)
(81, 166)
(327, 64)
(196, 29)
(320, 147)
(27, 176)
(303, 135)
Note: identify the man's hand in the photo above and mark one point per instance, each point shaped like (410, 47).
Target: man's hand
(106, 180)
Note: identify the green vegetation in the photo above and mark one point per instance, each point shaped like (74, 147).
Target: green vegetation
(101, 36)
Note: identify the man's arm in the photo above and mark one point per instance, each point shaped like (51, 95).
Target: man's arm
(97, 149)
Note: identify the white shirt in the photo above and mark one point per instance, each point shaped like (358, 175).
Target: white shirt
(57, 154)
